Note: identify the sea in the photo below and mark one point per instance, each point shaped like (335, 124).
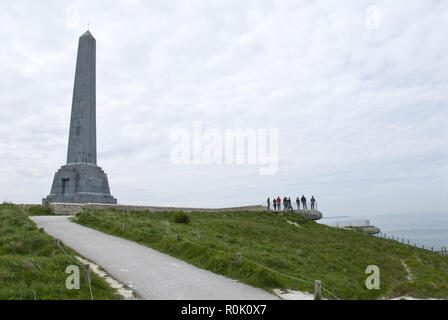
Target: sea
(422, 229)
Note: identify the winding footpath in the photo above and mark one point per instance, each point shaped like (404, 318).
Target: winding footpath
(153, 275)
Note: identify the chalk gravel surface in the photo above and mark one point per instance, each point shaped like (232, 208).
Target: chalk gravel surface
(153, 275)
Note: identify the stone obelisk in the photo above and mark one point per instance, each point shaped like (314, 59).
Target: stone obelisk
(81, 180)
(82, 137)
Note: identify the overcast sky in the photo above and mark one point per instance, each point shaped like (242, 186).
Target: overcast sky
(362, 111)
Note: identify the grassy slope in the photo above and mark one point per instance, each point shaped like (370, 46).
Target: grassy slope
(32, 267)
(337, 257)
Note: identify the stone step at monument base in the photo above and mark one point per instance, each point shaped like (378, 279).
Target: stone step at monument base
(80, 198)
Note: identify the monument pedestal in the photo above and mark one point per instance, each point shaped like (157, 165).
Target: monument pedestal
(80, 183)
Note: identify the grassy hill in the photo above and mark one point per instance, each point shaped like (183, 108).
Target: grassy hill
(278, 248)
(32, 267)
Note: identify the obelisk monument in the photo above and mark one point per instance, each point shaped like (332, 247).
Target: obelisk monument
(81, 180)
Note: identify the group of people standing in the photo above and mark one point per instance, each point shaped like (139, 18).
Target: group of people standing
(286, 202)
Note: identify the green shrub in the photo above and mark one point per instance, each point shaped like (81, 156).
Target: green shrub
(181, 217)
(39, 210)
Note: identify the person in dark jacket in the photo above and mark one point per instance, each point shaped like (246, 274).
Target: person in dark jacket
(303, 199)
(298, 203)
(289, 204)
(285, 203)
(274, 203)
(269, 204)
(312, 200)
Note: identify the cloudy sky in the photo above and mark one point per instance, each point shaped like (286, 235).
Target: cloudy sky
(359, 95)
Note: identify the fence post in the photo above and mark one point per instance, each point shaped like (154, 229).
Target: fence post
(124, 227)
(317, 290)
(87, 272)
(238, 257)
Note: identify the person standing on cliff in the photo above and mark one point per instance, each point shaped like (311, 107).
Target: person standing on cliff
(269, 204)
(304, 202)
(274, 204)
(279, 204)
(312, 202)
(298, 203)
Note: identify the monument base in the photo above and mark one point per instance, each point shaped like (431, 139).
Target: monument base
(80, 183)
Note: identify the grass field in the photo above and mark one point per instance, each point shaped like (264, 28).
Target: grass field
(32, 267)
(309, 251)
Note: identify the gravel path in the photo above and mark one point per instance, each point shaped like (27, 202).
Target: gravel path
(153, 275)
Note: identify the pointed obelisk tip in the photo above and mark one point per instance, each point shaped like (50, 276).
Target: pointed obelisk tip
(87, 34)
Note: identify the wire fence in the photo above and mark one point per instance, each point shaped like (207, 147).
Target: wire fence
(365, 223)
(443, 249)
(346, 223)
(236, 255)
(58, 243)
